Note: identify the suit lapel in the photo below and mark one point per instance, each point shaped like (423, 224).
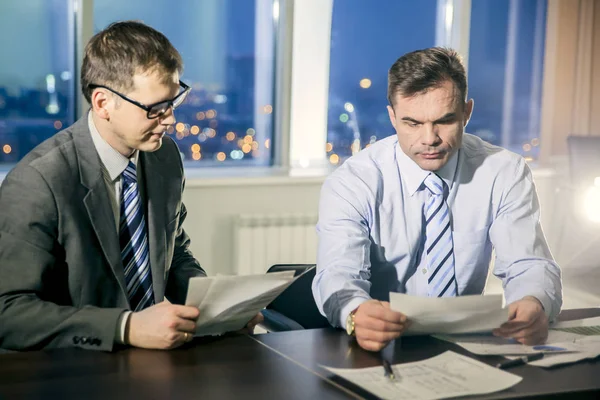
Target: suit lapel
(97, 202)
(153, 194)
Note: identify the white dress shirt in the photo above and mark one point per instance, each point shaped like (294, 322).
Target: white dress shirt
(113, 164)
(371, 223)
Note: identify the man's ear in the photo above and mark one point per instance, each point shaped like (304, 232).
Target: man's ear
(468, 111)
(101, 103)
(392, 116)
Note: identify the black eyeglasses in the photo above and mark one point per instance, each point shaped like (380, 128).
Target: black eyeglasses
(157, 109)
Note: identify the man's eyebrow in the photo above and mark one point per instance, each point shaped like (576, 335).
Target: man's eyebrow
(409, 119)
(447, 117)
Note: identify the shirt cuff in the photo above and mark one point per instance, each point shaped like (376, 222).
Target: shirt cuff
(542, 297)
(121, 327)
(349, 307)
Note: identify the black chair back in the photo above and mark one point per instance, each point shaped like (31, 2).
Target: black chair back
(297, 301)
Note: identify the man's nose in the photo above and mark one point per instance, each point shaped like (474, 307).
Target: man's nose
(430, 135)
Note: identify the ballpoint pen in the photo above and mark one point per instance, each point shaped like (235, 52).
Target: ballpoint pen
(520, 361)
(389, 372)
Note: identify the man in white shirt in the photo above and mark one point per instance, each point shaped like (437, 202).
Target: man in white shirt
(421, 211)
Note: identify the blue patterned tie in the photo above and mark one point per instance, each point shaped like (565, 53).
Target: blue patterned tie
(438, 241)
(134, 243)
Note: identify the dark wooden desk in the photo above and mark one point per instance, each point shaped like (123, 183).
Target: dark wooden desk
(235, 367)
(270, 366)
(334, 348)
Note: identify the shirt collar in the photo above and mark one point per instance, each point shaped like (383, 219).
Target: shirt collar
(414, 176)
(113, 162)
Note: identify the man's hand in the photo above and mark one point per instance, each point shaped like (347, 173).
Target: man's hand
(375, 324)
(527, 322)
(162, 326)
(249, 328)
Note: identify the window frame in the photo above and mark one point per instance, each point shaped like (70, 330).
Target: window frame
(301, 79)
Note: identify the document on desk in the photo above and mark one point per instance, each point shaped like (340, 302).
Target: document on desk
(449, 315)
(227, 303)
(446, 375)
(489, 345)
(586, 326)
(585, 347)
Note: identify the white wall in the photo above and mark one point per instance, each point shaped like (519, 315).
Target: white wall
(213, 203)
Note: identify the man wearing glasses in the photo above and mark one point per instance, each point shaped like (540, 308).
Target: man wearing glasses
(91, 237)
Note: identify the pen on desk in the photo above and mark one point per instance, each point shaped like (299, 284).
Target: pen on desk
(388, 371)
(520, 361)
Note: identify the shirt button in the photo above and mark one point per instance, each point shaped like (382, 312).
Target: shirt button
(424, 270)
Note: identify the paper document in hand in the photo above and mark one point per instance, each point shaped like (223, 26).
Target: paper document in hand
(227, 303)
(462, 314)
(446, 375)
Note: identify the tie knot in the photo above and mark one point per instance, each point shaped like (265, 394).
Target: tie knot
(130, 173)
(435, 184)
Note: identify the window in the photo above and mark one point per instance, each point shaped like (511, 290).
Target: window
(506, 54)
(366, 38)
(502, 41)
(228, 54)
(37, 89)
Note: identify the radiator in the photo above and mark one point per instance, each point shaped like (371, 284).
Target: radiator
(264, 240)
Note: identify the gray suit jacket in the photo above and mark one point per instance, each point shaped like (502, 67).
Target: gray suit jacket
(61, 277)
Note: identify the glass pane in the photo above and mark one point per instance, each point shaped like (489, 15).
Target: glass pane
(37, 90)
(366, 38)
(506, 53)
(228, 52)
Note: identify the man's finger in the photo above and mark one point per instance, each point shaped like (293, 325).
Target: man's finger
(376, 336)
(514, 325)
(258, 318)
(187, 312)
(186, 325)
(532, 336)
(378, 324)
(380, 312)
(371, 345)
(187, 337)
(509, 328)
(512, 311)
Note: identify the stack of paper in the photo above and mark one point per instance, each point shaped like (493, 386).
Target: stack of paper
(489, 345)
(446, 375)
(587, 327)
(563, 346)
(463, 314)
(227, 303)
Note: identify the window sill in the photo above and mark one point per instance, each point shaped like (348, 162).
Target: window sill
(265, 176)
(234, 176)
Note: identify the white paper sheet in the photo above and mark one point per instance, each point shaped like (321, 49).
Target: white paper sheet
(449, 315)
(587, 326)
(227, 303)
(583, 348)
(446, 375)
(492, 345)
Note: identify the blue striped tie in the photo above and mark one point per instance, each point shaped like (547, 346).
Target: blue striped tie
(438, 241)
(134, 243)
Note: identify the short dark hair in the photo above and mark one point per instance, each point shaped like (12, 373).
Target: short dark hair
(114, 55)
(419, 71)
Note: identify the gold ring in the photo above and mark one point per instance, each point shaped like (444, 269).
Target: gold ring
(186, 336)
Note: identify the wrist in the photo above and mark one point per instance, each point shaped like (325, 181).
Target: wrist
(535, 299)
